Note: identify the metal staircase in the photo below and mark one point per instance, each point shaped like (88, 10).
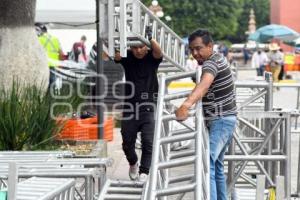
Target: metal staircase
(123, 23)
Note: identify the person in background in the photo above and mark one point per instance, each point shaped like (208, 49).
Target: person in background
(192, 65)
(52, 47)
(230, 56)
(223, 49)
(259, 62)
(275, 60)
(92, 59)
(246, 54)
(78, 53)
(281, 74)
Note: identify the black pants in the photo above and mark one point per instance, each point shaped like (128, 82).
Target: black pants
(281, 74)
(143, 122)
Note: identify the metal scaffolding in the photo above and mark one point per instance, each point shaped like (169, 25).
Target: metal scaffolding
(162, 181)
(46, 189)
(262, 141)
(259, 154)
(90, 173)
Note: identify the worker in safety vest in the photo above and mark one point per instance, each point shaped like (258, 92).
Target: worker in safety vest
(52, 47)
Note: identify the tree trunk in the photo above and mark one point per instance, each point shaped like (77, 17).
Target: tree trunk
(21, 56)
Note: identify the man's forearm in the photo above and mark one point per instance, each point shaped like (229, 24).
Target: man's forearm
(196, 95)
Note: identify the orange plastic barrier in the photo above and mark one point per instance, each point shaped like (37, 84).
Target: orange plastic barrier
(108, 129)
(292, 62)
(85, 129)
(291, 67)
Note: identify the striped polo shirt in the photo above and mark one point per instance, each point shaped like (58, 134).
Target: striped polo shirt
(220, 98)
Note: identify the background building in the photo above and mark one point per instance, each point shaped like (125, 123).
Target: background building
(285, 12)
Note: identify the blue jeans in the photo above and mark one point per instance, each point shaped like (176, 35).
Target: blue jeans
(260, 70)
(220, 135)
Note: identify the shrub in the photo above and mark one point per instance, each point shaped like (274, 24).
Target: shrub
(25, 117)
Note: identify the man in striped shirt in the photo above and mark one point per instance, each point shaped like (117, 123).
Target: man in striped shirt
(216, 90)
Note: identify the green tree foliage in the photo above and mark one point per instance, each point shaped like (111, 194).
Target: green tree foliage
(226, 19)
(218, 16)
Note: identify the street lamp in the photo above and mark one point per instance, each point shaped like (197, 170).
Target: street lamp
(168, 18)
(169, 21)
(156, 9)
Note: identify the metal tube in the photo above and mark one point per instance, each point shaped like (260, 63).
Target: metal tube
(176, 190)
(176, 163)
(110, 32)
(124, 183)
(250, 84)
(155, 155)
(178, 95)
(181, 178)
(173, 77)
(269, 136)
(180, 131)
(165, 174)
(123, 28)
(183, 123)
(177, 138)
(123, 197)
(88, 194)
(104, 190)
(199, 152)
(251, 126)
(181, 154)
(252, 99)
(261, 182)
(269, 96)
(288, 167)
(128, 190)
(298, 174)
(255, 158)
(173, 117)
(248, 179)
(12, 180)
(252, 140)
(99, 70)
(161, 69)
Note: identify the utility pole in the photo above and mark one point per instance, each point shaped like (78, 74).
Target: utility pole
(101, 146)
